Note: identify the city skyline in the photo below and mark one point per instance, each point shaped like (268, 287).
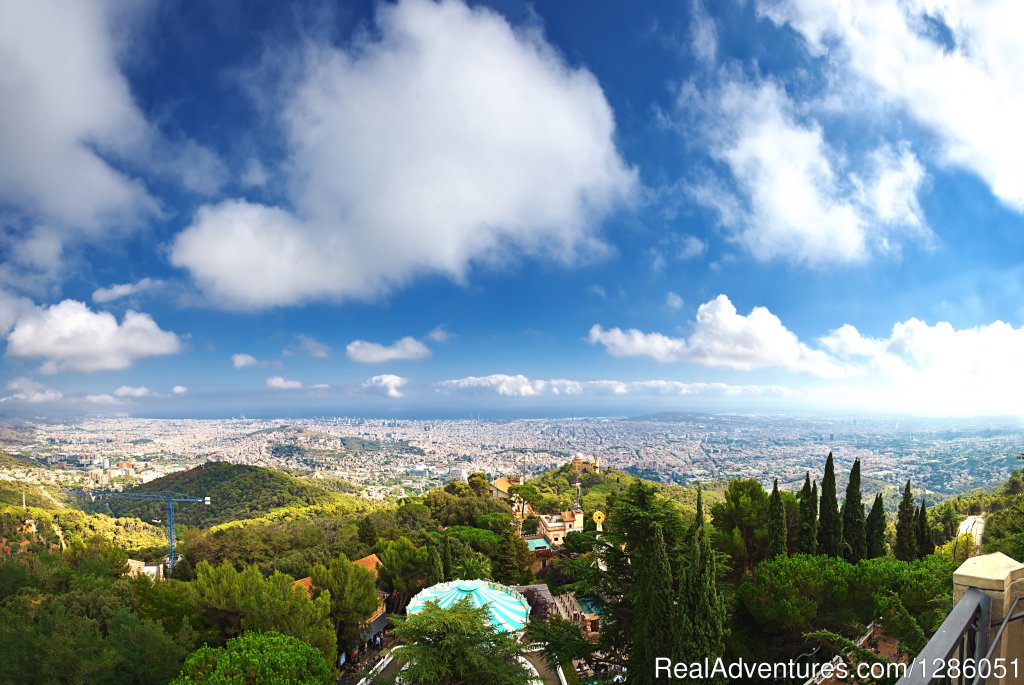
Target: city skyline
(422, 209)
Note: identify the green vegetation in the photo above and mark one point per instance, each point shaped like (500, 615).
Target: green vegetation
(457, 646)
(45, 529)
(830, 526)
(235, 491)
(256, 658)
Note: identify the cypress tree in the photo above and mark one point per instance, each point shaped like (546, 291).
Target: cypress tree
(807, 542)
(776, 523)
(435, 568)
(874, 529)
(925, 541)
(830, 526)
(654, 634)
(701, 612)
(854, 542)
(446, 557)
(906, 528)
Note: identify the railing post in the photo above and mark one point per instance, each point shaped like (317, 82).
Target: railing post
(1001, 579)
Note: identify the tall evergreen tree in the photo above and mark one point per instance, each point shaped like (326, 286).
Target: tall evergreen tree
(446, 557)
(701, 615)
(652, 597)
(923, 533)
(905, 548)
(435, 567)
(776, 523)
(830, 526)
(807, 542)
(874, 529)
(854, 542)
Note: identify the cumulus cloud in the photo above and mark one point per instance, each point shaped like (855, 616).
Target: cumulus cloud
(25, 389)
(179, 390)
(70, 336)
(521, 386)
(243, 360)
(116, 292)
(12, 307)
(71, 128)
(305, 344)
(791, 196)
(103, 399)
(408, 348)
(280, 383)
(406, 160)
(387, 383)
(955, 68)
(722, 336)
(133, 391)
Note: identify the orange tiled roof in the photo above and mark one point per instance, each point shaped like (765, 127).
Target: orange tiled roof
(370, 564)
(305, 583)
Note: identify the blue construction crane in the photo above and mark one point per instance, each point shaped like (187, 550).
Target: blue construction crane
(169, 497)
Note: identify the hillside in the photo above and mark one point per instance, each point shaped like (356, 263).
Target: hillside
(235, 491)
(558, 489)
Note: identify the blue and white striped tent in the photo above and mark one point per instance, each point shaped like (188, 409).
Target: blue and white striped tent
(507, 609)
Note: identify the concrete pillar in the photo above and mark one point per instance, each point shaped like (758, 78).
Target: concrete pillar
(1002, 579)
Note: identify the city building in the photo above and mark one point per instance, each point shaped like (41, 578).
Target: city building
(554, 527)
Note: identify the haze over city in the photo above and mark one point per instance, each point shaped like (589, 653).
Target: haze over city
(421, 209)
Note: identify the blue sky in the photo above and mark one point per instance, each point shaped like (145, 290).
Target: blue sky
(420, 208)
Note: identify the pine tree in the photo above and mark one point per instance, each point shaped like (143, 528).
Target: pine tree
(854, 542)
(446, 558)
(830, 526)
(906, 528)
(874, 529)
(807, 542)
(776, 523)
(923, 533)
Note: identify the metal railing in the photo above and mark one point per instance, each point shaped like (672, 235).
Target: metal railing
(963, 636)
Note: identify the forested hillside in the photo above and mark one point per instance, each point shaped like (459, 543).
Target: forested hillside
(236, 492)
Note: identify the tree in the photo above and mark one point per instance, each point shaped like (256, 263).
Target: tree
(561, 641)
(742, 522)
(478, 483)
(459, 489)
(906, 548)
(830, 526)
(874, 529)
(368, 532)
(457, 646)
(776, 523)
(435, 567)
(652, 595)
(700, 619)
(923, 533)
(256, 657)
(511, 558)
(854, 536)
(403, 565)
(353, 595)
(808, 540)
(228, 602)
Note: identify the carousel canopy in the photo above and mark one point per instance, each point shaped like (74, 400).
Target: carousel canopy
(507, 609)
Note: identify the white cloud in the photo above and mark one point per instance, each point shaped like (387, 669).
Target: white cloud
(408, 159)
(27, 390)
(969, 93)
(703, 33)
(255, 174)
(280, 383)
(723, 337)
(179, 390)
(102, 399)
(12, 307)
(70, 336)
(795, 198)
(242, 360)
(116, 292)
(387, 383)
(521, 386)
(439, 335)
(71, 130)
(133, 391)
(673, 300)
(408, 348)
(305, 344)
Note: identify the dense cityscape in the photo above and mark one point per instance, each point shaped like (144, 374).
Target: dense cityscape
(393, 457)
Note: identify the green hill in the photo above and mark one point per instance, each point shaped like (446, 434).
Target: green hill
(235, 491)
(557, 489)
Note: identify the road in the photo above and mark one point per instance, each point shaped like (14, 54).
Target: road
(975, 525)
